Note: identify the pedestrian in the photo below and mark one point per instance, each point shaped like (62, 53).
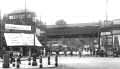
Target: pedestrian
(11, 59)
(56, 60)
(41, 61)
(29, 59)
(18, 60)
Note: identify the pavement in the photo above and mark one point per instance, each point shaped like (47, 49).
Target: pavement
(74, 62)
(91, 63)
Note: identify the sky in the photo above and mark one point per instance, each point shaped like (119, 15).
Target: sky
(72, 11)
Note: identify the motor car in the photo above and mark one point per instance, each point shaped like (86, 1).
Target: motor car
(75, 52)
(68, 52)
(101, 53)
(61, 53)
(53, 53)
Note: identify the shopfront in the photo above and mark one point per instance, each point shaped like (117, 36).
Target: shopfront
(106, 40)
(110, 39)
(116, 38)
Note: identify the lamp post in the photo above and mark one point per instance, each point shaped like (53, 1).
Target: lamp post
(25, 6)
(34, 63)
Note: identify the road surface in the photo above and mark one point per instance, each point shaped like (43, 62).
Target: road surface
(75, 62)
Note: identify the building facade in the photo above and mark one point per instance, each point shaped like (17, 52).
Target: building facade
(110, 35)
(20, 29)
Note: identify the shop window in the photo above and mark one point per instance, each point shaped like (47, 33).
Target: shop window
(106, 40)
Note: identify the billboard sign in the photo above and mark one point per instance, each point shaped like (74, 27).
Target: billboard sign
(17, 27)
(21, 39)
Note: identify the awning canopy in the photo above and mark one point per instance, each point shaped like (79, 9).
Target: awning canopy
(21, 39)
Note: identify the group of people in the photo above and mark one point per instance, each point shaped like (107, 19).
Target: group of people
(14, 58)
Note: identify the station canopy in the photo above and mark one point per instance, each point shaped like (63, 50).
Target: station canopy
(21, 39)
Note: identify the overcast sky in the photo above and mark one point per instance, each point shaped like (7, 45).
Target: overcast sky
(72, 11)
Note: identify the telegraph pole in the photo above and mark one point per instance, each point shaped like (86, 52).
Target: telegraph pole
(25, 22)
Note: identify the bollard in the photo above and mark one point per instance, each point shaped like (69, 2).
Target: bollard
(34, 63)
(29, 61)
(11, 58)
(49, 60)
(56, 60)
(18, 62)
(6, 61)
(18, 66)
(41, 62)
(13, 63)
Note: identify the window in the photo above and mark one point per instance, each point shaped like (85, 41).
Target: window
(106, 40)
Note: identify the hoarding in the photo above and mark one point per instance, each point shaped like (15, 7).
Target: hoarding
(21, 39)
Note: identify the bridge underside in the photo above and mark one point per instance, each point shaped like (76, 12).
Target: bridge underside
(68, 32)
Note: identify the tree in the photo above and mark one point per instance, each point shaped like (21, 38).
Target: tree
(61, 22)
